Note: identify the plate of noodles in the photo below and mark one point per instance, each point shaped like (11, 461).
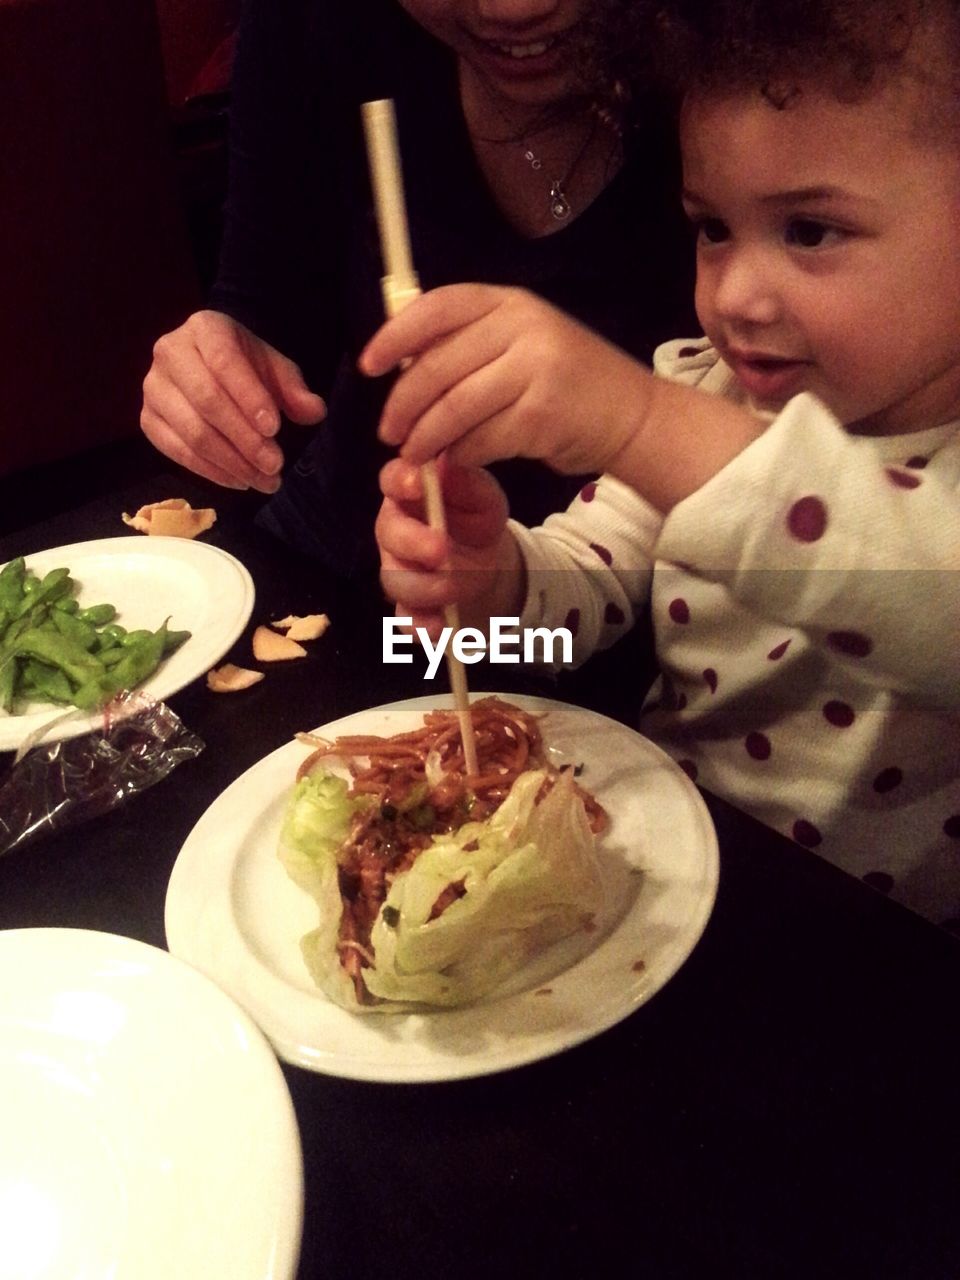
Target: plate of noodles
(238, 910)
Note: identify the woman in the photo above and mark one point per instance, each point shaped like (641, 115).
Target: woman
(512, 175)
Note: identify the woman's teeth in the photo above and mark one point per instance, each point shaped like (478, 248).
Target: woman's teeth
(524, 50)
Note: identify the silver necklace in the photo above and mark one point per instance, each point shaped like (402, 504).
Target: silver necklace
(559, 203)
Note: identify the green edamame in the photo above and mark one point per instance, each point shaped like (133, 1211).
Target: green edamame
(98, 615)
(52, 650)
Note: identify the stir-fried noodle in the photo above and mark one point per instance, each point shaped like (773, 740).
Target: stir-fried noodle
(429, 761)
(416, 788)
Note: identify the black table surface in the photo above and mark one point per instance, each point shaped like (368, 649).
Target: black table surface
(787, 1105)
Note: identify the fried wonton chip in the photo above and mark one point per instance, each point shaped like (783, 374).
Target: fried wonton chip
(172, 518)
(310, 627)
(231, 679)
(268, 646)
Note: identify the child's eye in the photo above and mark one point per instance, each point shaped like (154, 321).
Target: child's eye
(712, 230)
(808, 233)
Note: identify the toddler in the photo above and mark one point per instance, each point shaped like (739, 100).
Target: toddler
(785, 497)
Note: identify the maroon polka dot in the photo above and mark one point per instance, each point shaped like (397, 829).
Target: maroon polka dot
(572, 621)
(887, 780)
(589, 491)
(852, 643)
(951, 827)
(679, 611)
(685, 352)
(689, 768)
(602, 552)
(902, 479)
(613, 615)
(918, 462)
(838, 714)
(807, 519)
(806, 833)
(758, 746)
(777, 653)
(710, 678)
(879, 880)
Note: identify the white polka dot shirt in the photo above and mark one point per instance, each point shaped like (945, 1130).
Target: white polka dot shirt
(806, 609)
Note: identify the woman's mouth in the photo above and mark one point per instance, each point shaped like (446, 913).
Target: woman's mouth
(535, 49)
(523, 59)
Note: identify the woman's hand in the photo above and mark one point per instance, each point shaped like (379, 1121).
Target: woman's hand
(498, 373)
(475, 564)
(212, 401)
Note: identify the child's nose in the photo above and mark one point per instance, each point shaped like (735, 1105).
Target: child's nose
(745, 290)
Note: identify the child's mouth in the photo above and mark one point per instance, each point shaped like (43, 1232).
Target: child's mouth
(766, 377)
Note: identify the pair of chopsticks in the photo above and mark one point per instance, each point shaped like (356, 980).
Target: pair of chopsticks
(400, 286)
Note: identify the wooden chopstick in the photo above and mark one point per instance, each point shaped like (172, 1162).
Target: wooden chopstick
(400, 286)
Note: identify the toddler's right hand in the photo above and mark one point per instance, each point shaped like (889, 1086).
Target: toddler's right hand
(212, 401)
(474, 565)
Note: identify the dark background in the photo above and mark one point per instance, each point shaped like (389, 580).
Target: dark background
(113, 124)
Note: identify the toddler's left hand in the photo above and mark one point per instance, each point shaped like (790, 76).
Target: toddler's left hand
(498, 373)
(423, 570)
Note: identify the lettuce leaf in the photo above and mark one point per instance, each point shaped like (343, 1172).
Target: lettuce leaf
(315, 825)
(532, 879)
(529, 875)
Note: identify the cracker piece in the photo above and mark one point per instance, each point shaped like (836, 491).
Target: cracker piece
(268, 646)
(172, 518)
(309, 627)
(231, 679)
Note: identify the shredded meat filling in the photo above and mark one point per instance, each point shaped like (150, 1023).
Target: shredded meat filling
(418, 788)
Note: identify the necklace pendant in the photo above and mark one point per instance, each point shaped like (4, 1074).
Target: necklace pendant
(559, 204)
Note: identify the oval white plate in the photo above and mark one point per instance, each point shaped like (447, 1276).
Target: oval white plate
(200, 588)
(233, 913)
(147, 1128)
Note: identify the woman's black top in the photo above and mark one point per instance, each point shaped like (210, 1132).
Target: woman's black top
(300, 262)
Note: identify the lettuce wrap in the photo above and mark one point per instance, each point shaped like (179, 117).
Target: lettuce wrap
(522, 879)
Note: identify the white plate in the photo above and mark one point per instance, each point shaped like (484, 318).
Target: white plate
(232, 911)
(147, 1128)
(200, 588)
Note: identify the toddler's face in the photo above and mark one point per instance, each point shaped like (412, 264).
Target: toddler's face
(828, 252)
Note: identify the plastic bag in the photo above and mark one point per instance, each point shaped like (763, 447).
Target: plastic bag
(60, 784)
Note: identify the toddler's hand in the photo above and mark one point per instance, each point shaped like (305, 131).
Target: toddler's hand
(498, 373)
(422, 569)
(212, 401)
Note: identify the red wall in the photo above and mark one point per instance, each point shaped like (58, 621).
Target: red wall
(190, 32)
(94, 257)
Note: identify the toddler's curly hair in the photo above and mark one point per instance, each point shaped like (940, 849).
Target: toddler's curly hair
(850, 46)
